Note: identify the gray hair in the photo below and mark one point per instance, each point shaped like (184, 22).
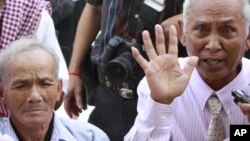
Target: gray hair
(9, 54)
(245, 11)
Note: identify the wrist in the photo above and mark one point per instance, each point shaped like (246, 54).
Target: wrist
(78, 74)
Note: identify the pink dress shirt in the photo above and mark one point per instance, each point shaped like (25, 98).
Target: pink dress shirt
(187, 118)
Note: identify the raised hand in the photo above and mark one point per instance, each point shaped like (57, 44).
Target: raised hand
(165, 78)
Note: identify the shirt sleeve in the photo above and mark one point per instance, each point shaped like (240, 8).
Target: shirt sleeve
(153, 121)
(46, 34)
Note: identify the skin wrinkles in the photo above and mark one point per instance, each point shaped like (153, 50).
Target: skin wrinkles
(217, 39)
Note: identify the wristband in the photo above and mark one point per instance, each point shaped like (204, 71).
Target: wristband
(75, 74)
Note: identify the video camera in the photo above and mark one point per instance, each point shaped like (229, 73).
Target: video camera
(117, 61)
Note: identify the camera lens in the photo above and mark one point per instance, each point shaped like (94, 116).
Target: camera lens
(120, 68)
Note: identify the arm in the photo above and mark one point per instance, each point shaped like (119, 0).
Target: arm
(165, 79)
(88, 27)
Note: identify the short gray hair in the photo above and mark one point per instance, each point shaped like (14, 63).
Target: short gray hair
(245, 11)
(9, 54)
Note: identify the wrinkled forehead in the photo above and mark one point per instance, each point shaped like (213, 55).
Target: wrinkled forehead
(32, 61)
(216, 8)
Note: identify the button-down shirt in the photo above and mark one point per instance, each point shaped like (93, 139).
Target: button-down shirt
(65, 130)
(188, 116)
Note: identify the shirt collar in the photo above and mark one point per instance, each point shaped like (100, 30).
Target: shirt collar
(60, 132)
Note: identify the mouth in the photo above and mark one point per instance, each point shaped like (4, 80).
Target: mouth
(35, 109)
(212, 61)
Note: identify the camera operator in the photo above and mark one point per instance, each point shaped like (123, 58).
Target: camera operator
(120, 23)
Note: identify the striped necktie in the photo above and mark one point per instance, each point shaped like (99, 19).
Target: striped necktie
(215, 129)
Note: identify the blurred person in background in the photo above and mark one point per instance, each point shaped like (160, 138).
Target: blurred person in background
(115, 102)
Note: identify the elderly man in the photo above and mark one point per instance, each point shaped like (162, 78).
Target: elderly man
(30, 88)
(185, 99)
(30, 18)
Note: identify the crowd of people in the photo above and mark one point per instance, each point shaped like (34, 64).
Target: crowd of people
(154, 70)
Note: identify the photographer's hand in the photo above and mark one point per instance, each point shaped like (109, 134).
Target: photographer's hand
(165, 77)
(245, 108)
(73, 102)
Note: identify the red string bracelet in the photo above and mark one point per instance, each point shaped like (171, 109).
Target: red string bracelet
(76, 74)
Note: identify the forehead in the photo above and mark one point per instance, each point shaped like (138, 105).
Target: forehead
(216, 9)
(36, 59)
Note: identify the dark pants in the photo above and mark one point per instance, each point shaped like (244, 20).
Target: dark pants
(113, 114)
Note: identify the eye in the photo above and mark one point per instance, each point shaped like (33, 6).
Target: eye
(46, 83)
(20, 86)
(201, 30)
(227, 30)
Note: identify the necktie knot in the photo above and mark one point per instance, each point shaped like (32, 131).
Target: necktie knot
(215, 104)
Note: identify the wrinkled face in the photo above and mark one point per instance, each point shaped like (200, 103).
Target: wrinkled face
(31, 89)
(215, 32)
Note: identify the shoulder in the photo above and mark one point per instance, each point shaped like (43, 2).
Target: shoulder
(80, 130)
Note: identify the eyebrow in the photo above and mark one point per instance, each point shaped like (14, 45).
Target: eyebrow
(227, 20)
(23, 80)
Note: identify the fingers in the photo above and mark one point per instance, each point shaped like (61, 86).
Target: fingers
(70, 106)
(245, 108)
(190, 65)
(148, 45)
(139, 59)
(173, 41)
(79, 100)
(160, 41)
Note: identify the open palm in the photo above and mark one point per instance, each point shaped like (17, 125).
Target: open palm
(165, 78)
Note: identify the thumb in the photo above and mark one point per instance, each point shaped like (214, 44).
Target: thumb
(190, 65)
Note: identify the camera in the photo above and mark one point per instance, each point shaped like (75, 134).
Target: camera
(117, 61)
(240, 96)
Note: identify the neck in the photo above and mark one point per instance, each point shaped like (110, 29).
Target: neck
(219, 84)
(32, 132)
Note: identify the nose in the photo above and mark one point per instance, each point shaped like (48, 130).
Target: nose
(213, 43)
(35, 95)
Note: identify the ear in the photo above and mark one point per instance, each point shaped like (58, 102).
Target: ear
(181, 35)
(59, 90)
